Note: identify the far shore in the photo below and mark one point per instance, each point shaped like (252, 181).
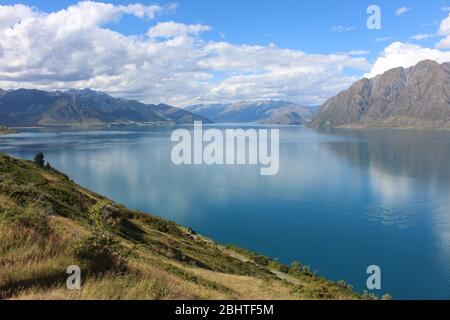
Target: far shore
(6, 130)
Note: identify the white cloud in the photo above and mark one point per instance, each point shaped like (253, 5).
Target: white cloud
(405, 55)
(146, 11)
(358, 52)
(383, 39)
(174, 29)
(422, 36)
(73, 48)
(305, 78)
(342, 28)
(355, 52)
(10, 15)
(444, 30)
(402, 10)
(399, 54)
(445, 8)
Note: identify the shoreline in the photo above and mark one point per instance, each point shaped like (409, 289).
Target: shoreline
(6, 131)
(175, 253)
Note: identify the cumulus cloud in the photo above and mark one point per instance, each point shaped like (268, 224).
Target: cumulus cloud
(399, 54)
(358, 52)
(402, 10)
(405, 55)
(305, 78)
(74, 48)
(172, 29)
(444, 30)
(10, 15)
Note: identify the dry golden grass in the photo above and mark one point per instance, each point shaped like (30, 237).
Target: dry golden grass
(114, 287)
(28, 258)
(32, 269)
(249, 288)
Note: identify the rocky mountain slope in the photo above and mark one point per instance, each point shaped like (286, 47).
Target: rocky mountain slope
(48, 223)
(25, 107)
(266, 111)
(415, 97)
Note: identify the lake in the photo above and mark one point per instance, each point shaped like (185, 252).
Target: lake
(343, 199)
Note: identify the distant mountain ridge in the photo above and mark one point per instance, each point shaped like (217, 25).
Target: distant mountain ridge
(414, 97)
(30, 107)
(263, 111)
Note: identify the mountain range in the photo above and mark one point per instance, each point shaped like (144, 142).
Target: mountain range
(414, 97)
(418, 96)
(263, 111)
(28, 107)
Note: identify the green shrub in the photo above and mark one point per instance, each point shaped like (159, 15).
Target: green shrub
(100, 253)
(159, 224)
(295, 268)
(261, 260)
(100, 249)
(284, 268)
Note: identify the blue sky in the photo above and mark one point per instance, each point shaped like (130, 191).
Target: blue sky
(309, 27)
(294, 24)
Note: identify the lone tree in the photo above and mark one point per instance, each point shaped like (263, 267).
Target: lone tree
(39, 159)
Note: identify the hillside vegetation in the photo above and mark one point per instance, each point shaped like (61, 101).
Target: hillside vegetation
(6, 130)
(48, 223)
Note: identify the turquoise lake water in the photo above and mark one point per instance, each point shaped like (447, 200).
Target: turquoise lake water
(342, 200)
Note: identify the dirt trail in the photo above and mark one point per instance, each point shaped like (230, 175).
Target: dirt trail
(279, 274)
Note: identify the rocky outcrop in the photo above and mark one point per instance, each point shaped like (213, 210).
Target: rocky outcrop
(415, 97)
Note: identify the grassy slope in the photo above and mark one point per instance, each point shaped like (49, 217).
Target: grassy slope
(6, 130)
(43, 216)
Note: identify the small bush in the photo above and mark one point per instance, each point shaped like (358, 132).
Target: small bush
(100, 249)
(295, 268)
(100, 253)
(284, 268)
(159, 224)
(261, 260)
